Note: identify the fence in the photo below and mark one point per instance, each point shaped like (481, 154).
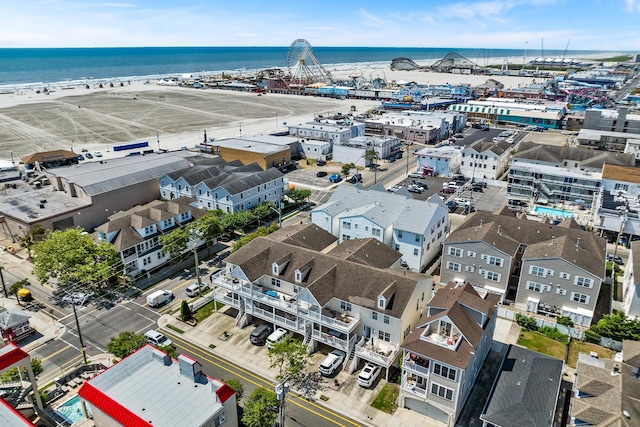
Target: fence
(574, 333)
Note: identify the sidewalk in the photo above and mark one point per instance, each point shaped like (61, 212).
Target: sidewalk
(47, 329)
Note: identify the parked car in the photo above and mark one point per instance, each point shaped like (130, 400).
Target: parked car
(335, 178)
(88, 155)
(414, 189)
(80, 157)
(355, 178)
(321, 163)
(477, 188)
(97, 153)
(452, 205)
(77, 298)
(420, 184)
(260, 334)
(461, 201)
(416, 175)
(154, 337)
(276, 336)
(321, 174)
(617, 259)
(193, 290)
(368, 375)
(448, 190)
(392, 159)
(331, 364)
(394, 188)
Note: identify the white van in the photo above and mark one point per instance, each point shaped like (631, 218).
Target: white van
(276, 336)
(154, 337)
(158, 298)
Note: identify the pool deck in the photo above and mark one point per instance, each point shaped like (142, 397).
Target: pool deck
(582, 216)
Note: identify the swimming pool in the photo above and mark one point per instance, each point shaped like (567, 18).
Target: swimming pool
(552, 212)
(71, 410)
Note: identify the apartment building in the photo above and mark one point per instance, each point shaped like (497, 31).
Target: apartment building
(135, 233)
(550, 269)
(631, 283)
(150, 388)
(616, 208)
(482, 159)
(412, 227)
(443, 354)
(346, 298)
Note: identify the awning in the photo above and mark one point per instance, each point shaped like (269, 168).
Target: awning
(578, 310)
(493, 289)
(535, 300)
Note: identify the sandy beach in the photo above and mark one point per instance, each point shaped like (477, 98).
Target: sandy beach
(169, 117)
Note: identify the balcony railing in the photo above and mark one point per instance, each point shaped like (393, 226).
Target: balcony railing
(290, 324)
(334, 341)
(380, 354)
(412, 387)
(223, 296)
(414, 366)
(343, 323)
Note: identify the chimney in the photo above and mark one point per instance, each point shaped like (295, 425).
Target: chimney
(578, 243)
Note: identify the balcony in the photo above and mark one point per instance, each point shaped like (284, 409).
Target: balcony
(343, 322)
(286, 322)
(334, 341)
(380, 352)
(226, 297)
(411, 385)
(416, 364)
(449, 338)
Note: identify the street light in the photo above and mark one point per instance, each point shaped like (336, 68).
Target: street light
(282, 389)
(279, 212)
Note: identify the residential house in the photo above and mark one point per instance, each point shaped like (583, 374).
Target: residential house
(443, 354)
(230, 187)
(335, 131)
(483, 159)
(616, 208)
(606, 392)
(412, 227)
(549, 173)
(525, 391)
(354, 150)
(345, 298)
(631, 283)
(135, 233)
(550, 269)
(149, 388)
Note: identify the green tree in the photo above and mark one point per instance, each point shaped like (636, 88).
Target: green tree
(346, 169)
(261, 409)
(12, 374)
(208, 227)
(370, 157)
(298, 195)
(262, 231)
(237, 385)
(72, 257)
(264, 209)
(526, 322)
(617, 327)
(125, 344)
(185, 311)
(175, 243)
(15, 287)
(171, 351)
(290, 356)
(36, 234)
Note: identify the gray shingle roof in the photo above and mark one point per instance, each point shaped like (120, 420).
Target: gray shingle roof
(308, 236)
(505, 232)
(557, 154)
(369, 251)
(525, 391)
(329, 277)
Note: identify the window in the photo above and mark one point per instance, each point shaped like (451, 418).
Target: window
(561, 291)
(455, 251)
(375, 232)
(566, 276)
(444, 371)
(538, 271)
(492, 260)
(417, 238)
(581, 298)
(399, 234)
(381, 302)
(275, 282)
(620, 186)
(219, 420)
(470, 268)
(454, 266)
(345, 306)
(385, 336)
(374, 315)
(490, 275)
(471, 254)
(346, 225)
(536, 287)
(584, 282)
(443, 392)
(415, 251)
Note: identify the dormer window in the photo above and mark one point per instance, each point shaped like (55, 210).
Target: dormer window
(382, 302)
(298, 276)
(275, 269)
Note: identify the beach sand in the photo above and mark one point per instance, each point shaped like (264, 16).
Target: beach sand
(96, 119)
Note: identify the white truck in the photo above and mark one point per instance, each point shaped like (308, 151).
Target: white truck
(158, 298)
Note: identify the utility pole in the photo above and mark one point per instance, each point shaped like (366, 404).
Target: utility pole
(281, 391)
(75, 315)
(4, 287)
(195, 256)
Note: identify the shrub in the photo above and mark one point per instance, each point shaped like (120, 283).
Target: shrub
(592, 337)
(526, 322)
(237, 385)
(554, 334)
(565, 321)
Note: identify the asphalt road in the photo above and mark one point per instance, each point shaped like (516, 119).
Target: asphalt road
(299, 411)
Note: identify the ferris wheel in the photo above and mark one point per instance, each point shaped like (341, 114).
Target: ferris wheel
(303, 66)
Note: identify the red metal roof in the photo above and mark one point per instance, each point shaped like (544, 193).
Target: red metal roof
(225, 392)
(110, 407)
(18, 415)
(10, 356)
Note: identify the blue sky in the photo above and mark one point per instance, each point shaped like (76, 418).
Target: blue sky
(608, 25)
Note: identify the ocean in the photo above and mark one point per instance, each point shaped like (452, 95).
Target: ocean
(58, 65)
